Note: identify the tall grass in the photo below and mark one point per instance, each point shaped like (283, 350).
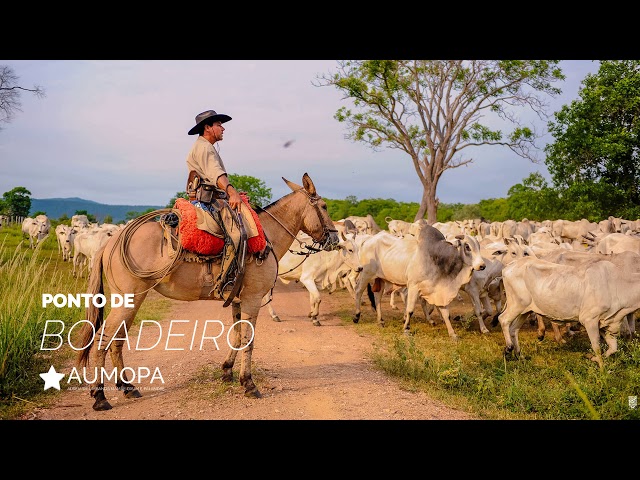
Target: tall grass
(25, 275)
(550, 381)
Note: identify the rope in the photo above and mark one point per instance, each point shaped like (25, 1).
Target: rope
(122, 244)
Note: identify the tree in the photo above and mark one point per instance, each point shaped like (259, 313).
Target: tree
(17, 202)
(432, 109)
(108, 219)
(259, 194)
(533, 199)
(178, 195)
(10, 93)
(596, 151)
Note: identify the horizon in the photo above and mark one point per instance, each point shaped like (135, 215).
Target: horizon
(117, 130)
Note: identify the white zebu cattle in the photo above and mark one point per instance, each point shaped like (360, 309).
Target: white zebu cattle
(366, 224)
(45, 222)
(85, 247)
(429, 266)
(598, 294)
(79, 221)
(577, 258)
(316, 271)
(66, 241)
(399, 228)
(35, 230)
(618, 243)
(61, 235)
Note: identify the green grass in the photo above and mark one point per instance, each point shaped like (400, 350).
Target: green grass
(550, 381)
(25, 275)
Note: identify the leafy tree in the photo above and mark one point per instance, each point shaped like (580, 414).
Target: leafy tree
(64, 218)
(134, 214)
(467, 212)
(16, 202)
(494, 209)
(39, 212)
(10, 93)
(178, 195)
(533, 199)
(432, 110)
(259, 194)
(108, 219)
(595, 158)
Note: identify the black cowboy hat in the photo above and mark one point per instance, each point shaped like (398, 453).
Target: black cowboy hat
(208, 115)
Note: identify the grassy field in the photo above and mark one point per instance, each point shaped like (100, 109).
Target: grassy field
(25, 352)
(550, 381)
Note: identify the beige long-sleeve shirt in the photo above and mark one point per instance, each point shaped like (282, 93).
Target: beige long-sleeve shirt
(204, 159)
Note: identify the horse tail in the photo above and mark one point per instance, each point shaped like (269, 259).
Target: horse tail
(95, 315)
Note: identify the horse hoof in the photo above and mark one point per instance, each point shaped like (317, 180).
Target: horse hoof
(135, 393)
(102, 405)
(253, 393)
(227, 377)
(276, 319)
(356, 318)
(316, 322)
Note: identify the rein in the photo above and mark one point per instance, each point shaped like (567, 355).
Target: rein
(307, 249)
(313, 200)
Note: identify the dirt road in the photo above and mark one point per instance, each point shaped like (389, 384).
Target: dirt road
(303, 372)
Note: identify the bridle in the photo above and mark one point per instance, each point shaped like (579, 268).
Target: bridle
(317, 245)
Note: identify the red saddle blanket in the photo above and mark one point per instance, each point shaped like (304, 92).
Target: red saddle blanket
(199, 241)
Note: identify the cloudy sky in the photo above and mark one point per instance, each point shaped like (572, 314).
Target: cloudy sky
(115, 132)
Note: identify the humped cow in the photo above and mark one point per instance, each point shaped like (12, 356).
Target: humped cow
(598, 294)
(431, 268)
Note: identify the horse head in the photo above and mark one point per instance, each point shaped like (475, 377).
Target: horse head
(320, 227)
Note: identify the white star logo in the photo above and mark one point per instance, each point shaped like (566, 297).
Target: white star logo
(52, 379)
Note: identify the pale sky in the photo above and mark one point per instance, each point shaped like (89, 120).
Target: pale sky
(115, 132)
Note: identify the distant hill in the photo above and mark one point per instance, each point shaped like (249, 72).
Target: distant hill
(56, 207)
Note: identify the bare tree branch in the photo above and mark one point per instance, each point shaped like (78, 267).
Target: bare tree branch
(10, 93)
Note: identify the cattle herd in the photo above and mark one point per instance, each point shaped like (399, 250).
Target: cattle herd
(565, 272)
(78, 242)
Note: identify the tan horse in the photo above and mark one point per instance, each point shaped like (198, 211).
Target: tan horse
(147, 251)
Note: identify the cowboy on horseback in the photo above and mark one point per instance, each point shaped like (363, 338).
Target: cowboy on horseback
(220, 208)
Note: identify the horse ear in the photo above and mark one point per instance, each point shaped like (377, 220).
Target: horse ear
(308, 184)
(291, 185)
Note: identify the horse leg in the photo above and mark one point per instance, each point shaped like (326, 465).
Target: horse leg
(268, 298)
(243, 336)
(111, 337)
(227, 365)
(122, 382)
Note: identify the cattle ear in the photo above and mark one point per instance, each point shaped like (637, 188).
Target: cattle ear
(342, 235)
(460, 237)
